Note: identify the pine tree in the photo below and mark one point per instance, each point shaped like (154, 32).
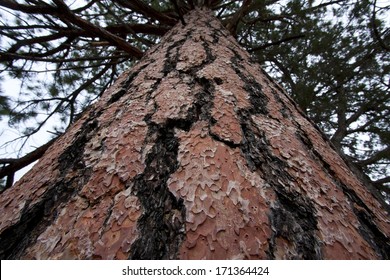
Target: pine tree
(193, 153)
(58, 57)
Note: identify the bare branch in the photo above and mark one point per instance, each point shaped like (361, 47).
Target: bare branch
(87, 6)
(11, 166)
(37, 40)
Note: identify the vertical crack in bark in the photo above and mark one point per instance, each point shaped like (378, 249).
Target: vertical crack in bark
(161, 226)
(125, 86)
(369, 230)
(371, 233)
(35, 219)
(257, 97)
(292, 217)
(171, 61)
(284, 110)
(294, 224)
(204, 100)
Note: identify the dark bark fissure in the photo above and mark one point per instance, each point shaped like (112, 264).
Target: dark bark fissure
(160, 230)
(218, 33)
(125, 86)
(292, 216)
(257, 98)
(371, 233)
(171, 60)
(284, 110)
(367, 227)
(204, 101)
(295, 222)
(162, 224)
(34, 220)
(204, 110)
(227, 142)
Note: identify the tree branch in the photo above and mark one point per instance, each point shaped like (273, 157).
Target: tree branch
(178, 11)
(67, 16)
(63, 12)
(138, 28)
(382, 181)
(233, 22)
(377, 35)
(11, 166)
(146, 10)
(32, 57)
(37, 40)
(28, 9)
(375, 157)
(277, 42)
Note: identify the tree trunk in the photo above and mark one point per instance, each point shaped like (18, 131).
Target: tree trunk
(195, 153)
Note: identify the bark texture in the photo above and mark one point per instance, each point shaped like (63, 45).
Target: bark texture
(195, 153)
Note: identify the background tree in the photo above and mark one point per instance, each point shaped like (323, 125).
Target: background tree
(332, 56)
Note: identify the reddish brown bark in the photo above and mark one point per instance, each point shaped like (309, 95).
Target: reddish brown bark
(193, 154)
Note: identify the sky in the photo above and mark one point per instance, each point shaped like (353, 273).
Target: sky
(10, 148)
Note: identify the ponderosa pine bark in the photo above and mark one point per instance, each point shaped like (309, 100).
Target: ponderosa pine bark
(195, 153)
